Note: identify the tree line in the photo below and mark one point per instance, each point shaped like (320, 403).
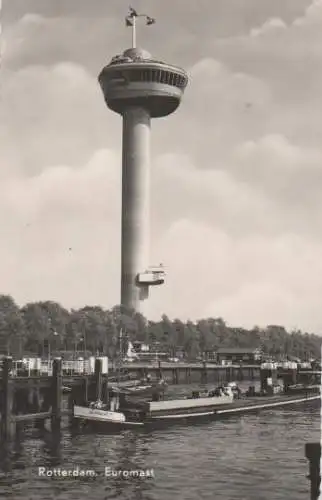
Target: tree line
(45, 328)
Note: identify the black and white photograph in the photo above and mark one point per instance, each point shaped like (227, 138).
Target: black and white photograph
(160, 249)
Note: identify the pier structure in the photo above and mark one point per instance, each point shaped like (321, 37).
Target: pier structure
(139, 88)
(268, 377)
(37, 399)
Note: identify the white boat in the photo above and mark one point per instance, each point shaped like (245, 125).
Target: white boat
(97, 411)
(98, 414)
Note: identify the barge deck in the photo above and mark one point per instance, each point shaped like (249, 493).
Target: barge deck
(150, 417)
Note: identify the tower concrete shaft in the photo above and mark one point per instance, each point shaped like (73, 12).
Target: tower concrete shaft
(135, 204)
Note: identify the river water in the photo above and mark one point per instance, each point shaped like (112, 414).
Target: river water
(253, 457)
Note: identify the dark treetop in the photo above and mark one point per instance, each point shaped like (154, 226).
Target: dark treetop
(40, 327)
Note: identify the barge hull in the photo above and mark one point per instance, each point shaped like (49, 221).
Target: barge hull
(257, 404)
(238, 407)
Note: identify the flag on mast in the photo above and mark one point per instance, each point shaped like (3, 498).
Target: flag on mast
(133, 12)
(129, 20)
(130, 17)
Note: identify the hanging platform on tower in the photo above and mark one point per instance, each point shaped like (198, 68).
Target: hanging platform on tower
(154, 275)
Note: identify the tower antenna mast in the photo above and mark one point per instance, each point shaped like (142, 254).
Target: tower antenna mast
(130, 21)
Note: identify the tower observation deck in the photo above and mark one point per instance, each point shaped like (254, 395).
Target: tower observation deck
(139, 88)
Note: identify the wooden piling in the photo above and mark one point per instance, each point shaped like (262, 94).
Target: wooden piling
(85, 391)
(174, 376)
(204, 374)
(159, 369)
(98, 379)
(46, 400)
(71, 401)
(7, 425)
(57, 394)
(313, 454)
(105, 391)
(35, 400)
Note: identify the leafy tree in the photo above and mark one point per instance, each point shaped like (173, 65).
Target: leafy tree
(12, 328)
(44, 327)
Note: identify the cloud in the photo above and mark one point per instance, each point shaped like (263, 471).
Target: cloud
(227, 108)
(269, 26)
(236, 171)
(247, 281)
(60, 230)
(268, 301)
(215, 196)
(67, 208)
(289, 173)
(312, 16)
(283, 54)
(54, 114)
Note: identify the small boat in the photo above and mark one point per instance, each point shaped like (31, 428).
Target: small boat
(98, 412)
(140, 388)
(137, 392)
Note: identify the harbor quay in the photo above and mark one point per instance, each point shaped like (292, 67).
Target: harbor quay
(33, 398)
(191, 373)
(171, 372)
(36, 400)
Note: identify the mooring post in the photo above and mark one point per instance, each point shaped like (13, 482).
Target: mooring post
(85, 390)
(313, 454)
(159, 369)
(45, 397)
(7, 425)
(105, 390)
(57, 394)
(98, 379)
(71, 402)
(204, 374)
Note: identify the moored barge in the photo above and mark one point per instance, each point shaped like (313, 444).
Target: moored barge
(212, 405)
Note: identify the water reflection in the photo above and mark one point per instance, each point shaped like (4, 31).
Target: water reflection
(114, 458)
(235, 458)
(51, 449)
(132, 454)
(10, 453)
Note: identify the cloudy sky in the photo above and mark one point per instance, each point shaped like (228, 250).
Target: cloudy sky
(236, 184)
